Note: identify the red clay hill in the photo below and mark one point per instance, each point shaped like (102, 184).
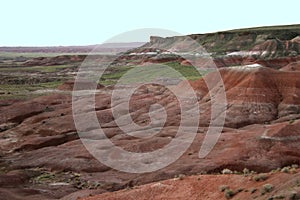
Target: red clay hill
(38, 136)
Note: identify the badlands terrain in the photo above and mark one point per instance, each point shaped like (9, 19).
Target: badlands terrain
(256, 157)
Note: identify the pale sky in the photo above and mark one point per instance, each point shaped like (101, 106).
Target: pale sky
(71, 22)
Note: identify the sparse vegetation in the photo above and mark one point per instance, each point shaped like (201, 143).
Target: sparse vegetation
(179, 176)
(228, 193)
(252, 190)
(293, 196)
(47, 69)
(246, 171)
(267, 188)
(114, 73)
(295, 166)
(239, 190)
(291, 121)
(260, 177)
(64, 178)
(23, 90)
(222, 188)
(293, 171)
(189, 72)
(285, 169)
(227, 171)
(278, 197)
(44, 177)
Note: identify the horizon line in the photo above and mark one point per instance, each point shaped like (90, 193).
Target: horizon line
(121, 42)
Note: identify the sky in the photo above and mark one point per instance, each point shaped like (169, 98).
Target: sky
(71, 22)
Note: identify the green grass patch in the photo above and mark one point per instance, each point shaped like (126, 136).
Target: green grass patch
(150, 72)
(47, 69)
(189, 72)
(13, 55)
(29, 87)
(113, 74)
(24, 91)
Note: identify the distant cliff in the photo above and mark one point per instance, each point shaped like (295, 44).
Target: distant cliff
(284, 40)
(234, 47)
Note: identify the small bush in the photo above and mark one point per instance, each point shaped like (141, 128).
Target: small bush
(267, 188)
(260, 177)
(291, 121)
(246, 171)
(279, 197)
(222, 188)
(229, 193)
(253, 190)
(285, 169)
(293, 196)
(297, 183)
(226, 171)
(239, 190)
(181, 176)
(295, 166)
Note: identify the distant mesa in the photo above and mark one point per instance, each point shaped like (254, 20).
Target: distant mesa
(101, 48)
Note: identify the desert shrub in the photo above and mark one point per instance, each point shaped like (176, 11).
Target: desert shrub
(285, 169)
(239, 190)
(293, 196)
(260, 177)
(246, 171)
(252, 190)
(228, 193)
(226, 171)
(180, 176)
(222, 188)
(267, 188)
(295, 166)
(278, 197)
